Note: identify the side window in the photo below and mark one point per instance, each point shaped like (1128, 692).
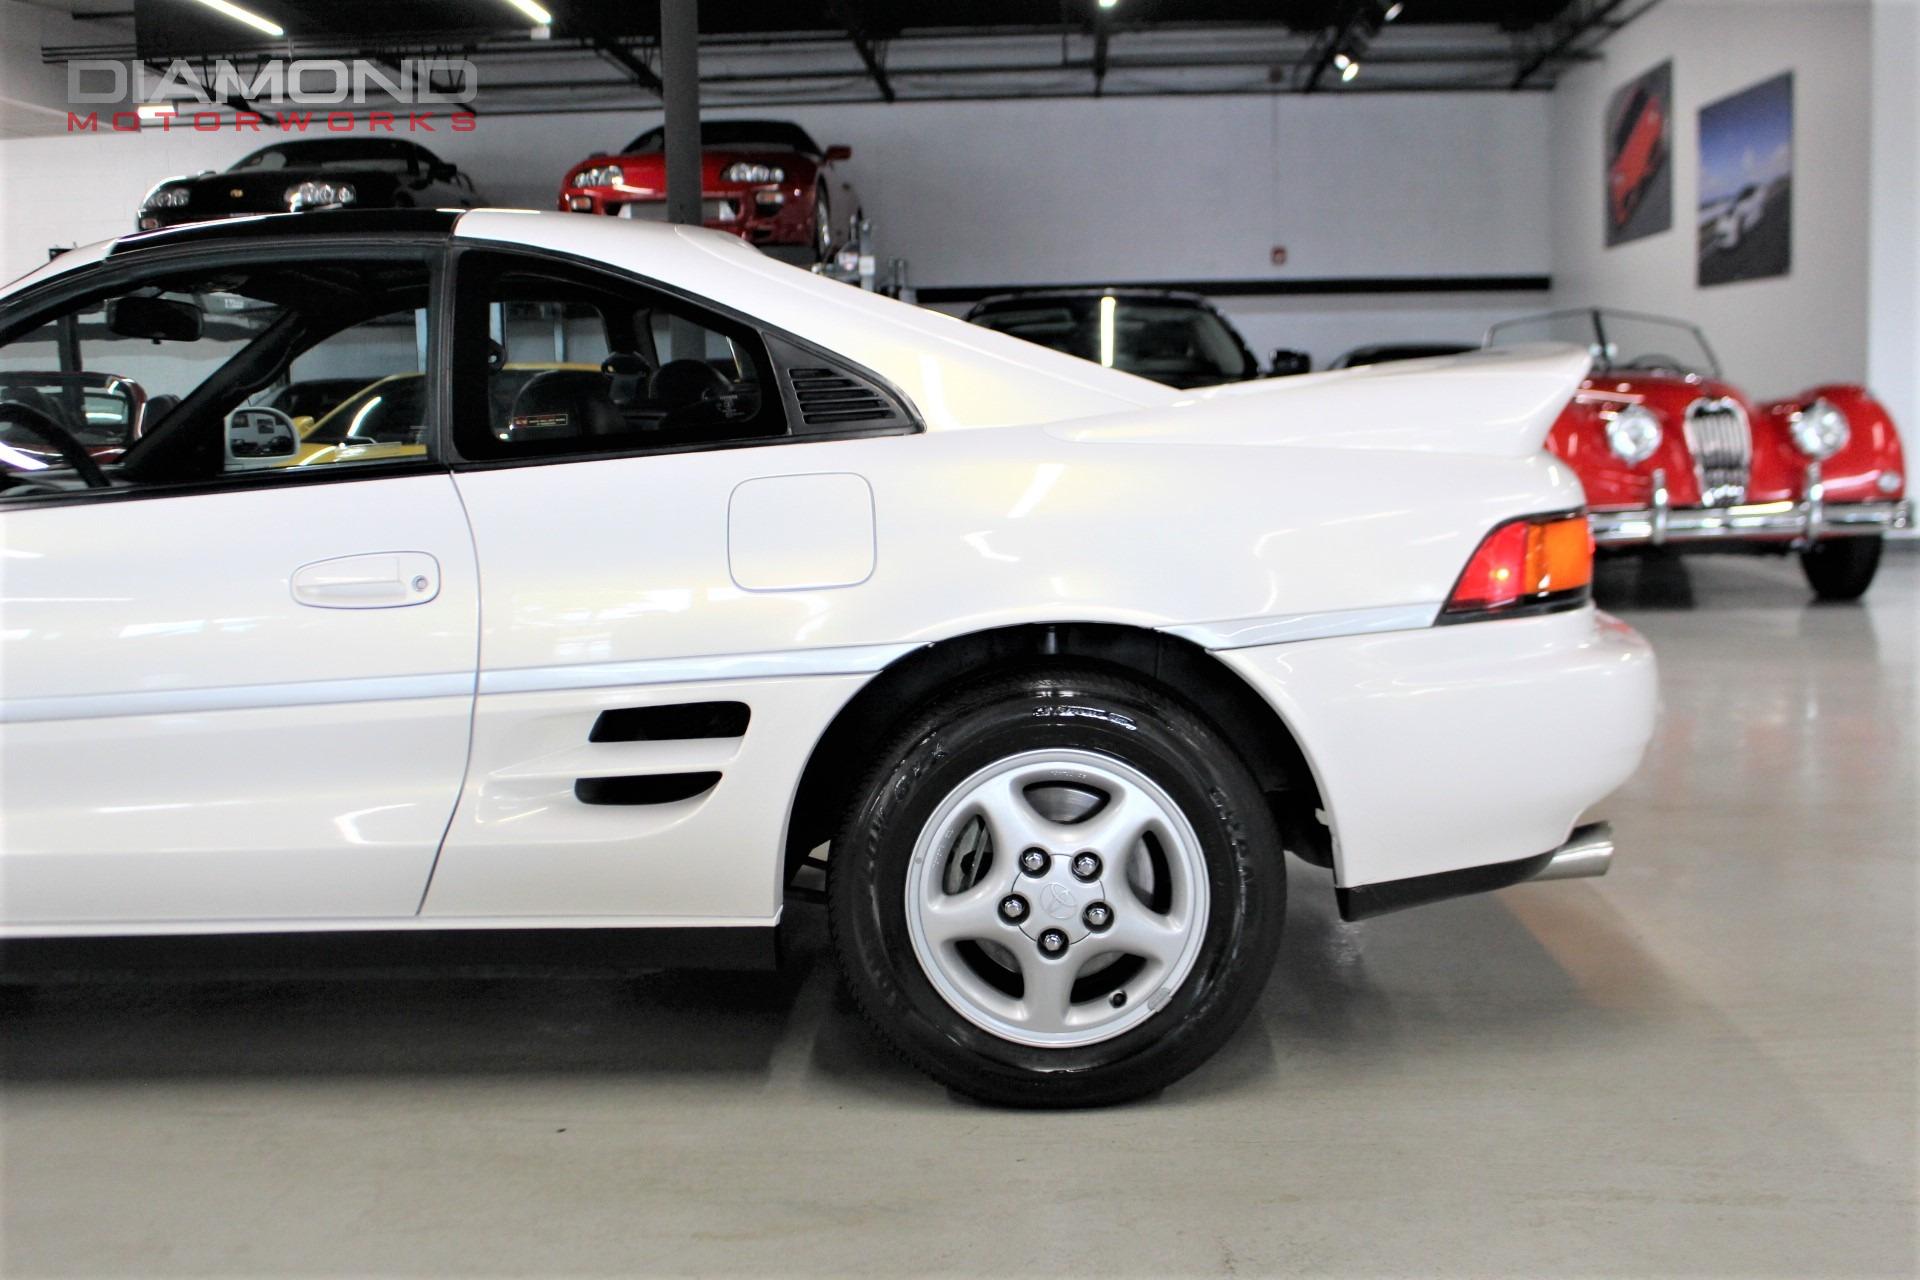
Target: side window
(205, 373)
(557, 361)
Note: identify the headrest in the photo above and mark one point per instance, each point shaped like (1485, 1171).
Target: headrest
(679, 383)
(564, 402)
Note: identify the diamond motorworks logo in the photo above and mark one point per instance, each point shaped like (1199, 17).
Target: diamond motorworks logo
(270, 93)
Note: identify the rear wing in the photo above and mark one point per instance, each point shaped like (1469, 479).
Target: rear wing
(1500, 402)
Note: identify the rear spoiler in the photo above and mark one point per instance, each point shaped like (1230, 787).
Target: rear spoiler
(1500, 402)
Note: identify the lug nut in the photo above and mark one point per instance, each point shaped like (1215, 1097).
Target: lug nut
(1087, 866)
(1053, 942)
(1013, 908)
(1098, 915)
(1034, 862)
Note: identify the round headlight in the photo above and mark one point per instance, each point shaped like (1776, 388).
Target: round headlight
(1633, 433)
(744, 171)
(168, 198)
(1820, 430)
(606, 175)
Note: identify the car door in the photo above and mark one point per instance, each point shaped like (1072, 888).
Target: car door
(236, 683)
(665, 538)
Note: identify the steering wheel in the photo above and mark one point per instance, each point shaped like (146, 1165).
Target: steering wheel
(34, 422)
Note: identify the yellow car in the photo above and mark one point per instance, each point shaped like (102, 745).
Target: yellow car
(387, 419)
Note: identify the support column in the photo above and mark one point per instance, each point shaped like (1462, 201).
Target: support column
(680, 69)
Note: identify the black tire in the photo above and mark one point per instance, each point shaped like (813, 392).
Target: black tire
(1842, 568)
(1088, 710)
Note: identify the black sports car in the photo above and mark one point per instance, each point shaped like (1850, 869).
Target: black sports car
(1175, 338)
(313, 174)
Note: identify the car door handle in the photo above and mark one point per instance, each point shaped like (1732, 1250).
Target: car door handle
(384, 580)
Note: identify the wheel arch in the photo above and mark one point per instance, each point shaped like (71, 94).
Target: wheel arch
(1257, 732)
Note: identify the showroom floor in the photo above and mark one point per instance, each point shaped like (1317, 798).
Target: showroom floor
(1704, 1063)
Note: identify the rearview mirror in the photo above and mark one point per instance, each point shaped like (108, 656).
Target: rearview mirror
(839, 151)
(1287, 363)
(161, 319)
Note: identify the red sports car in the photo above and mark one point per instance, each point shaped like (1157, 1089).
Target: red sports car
(764, 180)
(1639, 148)
(1671, 455)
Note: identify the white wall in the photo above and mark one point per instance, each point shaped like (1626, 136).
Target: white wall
(1078, 191)
(1777, 335)
(1893, 326)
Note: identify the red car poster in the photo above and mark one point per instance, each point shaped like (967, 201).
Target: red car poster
(1639, 155)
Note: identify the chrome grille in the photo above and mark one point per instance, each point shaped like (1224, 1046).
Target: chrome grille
(1722, 448)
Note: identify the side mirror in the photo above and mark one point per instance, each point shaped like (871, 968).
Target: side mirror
(839, 151)
(1288, 363)
(161, 319)
(444, 172)
(260, 437)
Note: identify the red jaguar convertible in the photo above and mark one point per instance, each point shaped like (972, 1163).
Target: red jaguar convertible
(765, 181)
(1671, 455)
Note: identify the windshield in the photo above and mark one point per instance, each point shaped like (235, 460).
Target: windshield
(1618, 341)
(1173, 342)
(394, 157)
(746, 135)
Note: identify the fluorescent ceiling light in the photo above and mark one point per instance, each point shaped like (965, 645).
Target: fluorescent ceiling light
(1351, 70)
(1393, 11)
(154, 110)
(247, 16)
(1108, 4)
(1108, 305)
(540, 16)
(1342, 61)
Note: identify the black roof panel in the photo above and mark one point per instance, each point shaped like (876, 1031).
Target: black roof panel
(330, 222)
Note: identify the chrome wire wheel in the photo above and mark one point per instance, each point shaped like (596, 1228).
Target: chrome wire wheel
(1057, 898)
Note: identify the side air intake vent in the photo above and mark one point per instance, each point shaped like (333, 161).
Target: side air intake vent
(652, 788)
(829, 398)
(675, 722)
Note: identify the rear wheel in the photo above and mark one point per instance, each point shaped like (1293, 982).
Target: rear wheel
(1842, 568)
(1064, 889)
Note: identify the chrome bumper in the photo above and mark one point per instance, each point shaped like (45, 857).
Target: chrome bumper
(1800, 523)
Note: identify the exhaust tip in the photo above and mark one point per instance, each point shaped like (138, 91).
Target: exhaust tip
(1587, 852)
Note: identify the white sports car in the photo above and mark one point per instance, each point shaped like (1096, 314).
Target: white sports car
(654, 567)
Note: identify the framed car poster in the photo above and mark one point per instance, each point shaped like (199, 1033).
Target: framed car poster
(1746, 184)
(1639, 150)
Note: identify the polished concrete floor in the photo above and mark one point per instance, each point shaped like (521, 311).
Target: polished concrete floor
(1703, 1064)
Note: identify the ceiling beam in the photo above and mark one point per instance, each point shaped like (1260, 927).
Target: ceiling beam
(1588, 15)
(624, 58)
(864, 45)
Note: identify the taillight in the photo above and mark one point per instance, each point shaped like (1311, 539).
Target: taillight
(1535, 564)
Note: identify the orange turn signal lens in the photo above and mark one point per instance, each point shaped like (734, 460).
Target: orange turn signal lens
(1534, 564)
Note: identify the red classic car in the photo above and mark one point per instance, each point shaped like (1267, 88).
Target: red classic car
(1671, 455)
(1639, 148)
(766, 181)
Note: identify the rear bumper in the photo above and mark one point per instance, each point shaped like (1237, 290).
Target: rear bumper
(1798, 523)
(1449, 748)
